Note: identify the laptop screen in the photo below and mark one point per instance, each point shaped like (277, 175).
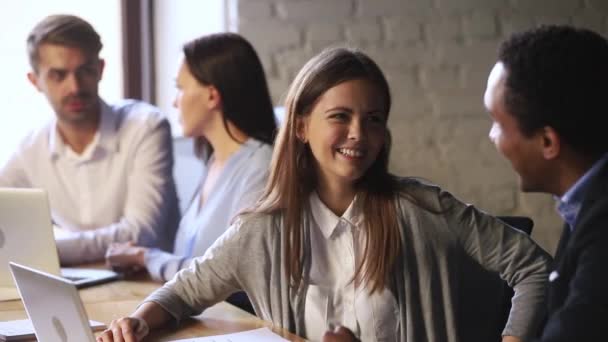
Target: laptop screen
(53, 306)
(26, 232)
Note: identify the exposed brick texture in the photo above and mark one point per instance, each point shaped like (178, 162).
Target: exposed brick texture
(436, 55)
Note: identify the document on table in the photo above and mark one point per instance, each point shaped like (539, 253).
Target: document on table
(257, 335)
(23, 330)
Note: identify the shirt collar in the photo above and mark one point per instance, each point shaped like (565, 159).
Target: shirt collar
(328, 221)
(87, 154)
(570, 203)
(105, 138)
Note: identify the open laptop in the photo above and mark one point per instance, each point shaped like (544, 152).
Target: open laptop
(53, 306)
(26, 237)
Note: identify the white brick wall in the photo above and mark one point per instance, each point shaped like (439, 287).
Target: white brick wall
(598, 5)
(381, 8)
(256, 10)
(364, 32)
(560, 8)
(406, 30)
(480, 25)
(321, 35)
(309, 11)
(436, 55)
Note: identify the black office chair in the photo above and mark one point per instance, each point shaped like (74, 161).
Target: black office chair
(525, 224)
(485, 299)
(241, 301)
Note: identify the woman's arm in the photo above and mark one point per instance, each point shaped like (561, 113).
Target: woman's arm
(134, 328)
(209, 279)
(512, 254)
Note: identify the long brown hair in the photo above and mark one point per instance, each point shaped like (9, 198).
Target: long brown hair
(293, 177)
(229, 63)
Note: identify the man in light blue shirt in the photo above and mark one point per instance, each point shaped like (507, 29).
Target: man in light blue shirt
(570, 203)
(547, 98)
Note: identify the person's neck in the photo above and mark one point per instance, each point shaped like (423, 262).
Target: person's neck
(336, 196)
(573, 168)
(224, 144)
(78, 135)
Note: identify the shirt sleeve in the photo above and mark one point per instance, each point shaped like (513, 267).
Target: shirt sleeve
(162, 265)
(208, 280)
(13, 174)
(512, 254)
(150, 207)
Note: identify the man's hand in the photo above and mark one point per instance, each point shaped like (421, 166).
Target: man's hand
(126, 257)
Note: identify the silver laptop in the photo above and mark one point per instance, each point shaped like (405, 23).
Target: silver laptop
(53, 306)
(26, 237)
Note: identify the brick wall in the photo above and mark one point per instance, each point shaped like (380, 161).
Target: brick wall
(436, 55)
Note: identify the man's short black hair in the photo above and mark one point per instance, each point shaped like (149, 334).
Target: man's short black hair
(557, 76)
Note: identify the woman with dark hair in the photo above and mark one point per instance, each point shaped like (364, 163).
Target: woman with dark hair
(336, 240)
(225, 106)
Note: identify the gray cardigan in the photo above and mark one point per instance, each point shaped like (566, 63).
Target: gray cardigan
(443, 282)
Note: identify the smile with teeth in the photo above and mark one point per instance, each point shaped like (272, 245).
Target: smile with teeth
(350, 152)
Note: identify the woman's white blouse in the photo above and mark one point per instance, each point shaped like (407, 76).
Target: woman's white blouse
(333, 298)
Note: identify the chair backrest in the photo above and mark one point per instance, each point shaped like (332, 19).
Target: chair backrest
(525, 224)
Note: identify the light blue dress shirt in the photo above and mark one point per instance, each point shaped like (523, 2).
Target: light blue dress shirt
(240, 184)
(570, 203)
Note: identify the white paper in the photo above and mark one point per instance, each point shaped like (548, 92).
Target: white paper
(23, 328)
(257, 335)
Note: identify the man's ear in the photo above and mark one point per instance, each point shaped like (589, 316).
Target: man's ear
(33, 78)
(102, 65)
(551, 143)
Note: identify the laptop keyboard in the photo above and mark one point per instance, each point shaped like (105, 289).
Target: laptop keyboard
(84, 277)
(73, 279)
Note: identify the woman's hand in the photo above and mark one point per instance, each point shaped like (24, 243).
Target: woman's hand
(511, 339)
(127, 329)
(126, 257)
(341, 334)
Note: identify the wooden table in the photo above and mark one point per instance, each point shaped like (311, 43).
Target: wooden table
(117, 299)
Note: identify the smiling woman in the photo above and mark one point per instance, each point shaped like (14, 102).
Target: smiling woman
(346, 130)
(335, 239)
(23, 105)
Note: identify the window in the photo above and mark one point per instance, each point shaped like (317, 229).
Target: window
(23, 107)
(175, 23)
